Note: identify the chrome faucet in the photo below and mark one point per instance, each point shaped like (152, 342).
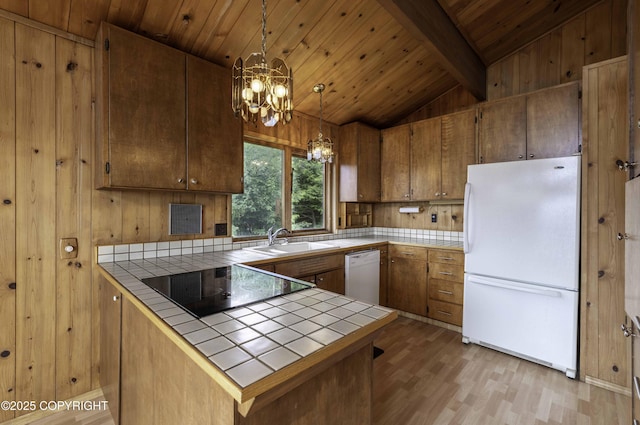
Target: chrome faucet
(273, 235)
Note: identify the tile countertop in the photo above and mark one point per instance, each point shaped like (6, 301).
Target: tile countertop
(253, 342)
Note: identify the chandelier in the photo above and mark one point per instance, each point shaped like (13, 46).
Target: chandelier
(321, 148)
(260, 90)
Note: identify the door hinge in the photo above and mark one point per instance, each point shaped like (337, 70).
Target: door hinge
(107, 168)
(475, 119)
(106, 44)
(579, 94)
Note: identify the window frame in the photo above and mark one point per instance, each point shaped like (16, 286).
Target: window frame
(287, 188)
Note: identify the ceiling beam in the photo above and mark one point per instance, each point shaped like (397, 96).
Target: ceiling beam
(426, 21)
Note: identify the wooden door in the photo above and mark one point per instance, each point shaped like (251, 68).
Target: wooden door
(214, 137)
(110, 325)
(407, 286)
(502, 132)
(458, 151)
(632, 281)
(395, 161)
(426, 160)
(603, 348)
(359, 157)
(146, 121)
(553, 122)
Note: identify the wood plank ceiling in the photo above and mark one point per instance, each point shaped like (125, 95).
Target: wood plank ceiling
(380, 59)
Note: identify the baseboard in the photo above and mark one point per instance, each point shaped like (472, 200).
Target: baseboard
(430, 321)
(607, 385)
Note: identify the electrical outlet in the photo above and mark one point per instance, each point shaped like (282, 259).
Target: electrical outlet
(434, 218)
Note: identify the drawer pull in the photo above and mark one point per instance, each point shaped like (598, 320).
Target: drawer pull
(446, 273)
(446, 313)
(407, 253)
(445, 292)
(636, 422)
(636, 385)
(445, 258)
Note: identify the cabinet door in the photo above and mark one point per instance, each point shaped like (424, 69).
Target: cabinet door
(384, 279)
(214, 137)
(553, 122)
(146, 113)
(110, 319)
(426, 160)
(458, 151)
(395, 163)
(359, 149)
(332, 280)
(407, 286)
(502, 131)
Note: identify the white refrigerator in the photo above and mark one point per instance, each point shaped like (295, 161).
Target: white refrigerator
(521, 244)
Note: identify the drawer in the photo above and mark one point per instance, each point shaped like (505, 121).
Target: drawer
(446, 257)
(444, 290)
(309, 266)
(445, 312)
(446, 272)
(408, 251)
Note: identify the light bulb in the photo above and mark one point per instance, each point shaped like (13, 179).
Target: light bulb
(253, 108)
(280, 91)
(247, 93)
(257, 85)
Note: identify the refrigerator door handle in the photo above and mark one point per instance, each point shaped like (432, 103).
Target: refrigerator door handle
(466, 218)
(531, 290)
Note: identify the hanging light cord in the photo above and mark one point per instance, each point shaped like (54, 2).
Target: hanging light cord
(264, 29)
(321, 112)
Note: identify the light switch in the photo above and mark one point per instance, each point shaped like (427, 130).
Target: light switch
(68, 248)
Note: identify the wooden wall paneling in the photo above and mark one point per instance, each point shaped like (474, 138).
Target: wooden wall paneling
(528, 68)
(549, 59)
(74, 143)
(19, 7)
(503, 78)
(598, 30)
(84, 18)
(618, 28)
(106, 217)
(36, 248)
(634, 84)
(135, 216)
(573, 45)
(7, 216)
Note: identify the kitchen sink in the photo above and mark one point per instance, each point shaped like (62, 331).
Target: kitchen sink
(291, 248)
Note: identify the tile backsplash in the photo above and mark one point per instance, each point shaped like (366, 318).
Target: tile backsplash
(139, 251)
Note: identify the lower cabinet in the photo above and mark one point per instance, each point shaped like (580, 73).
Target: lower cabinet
(384, 275)
(407, 285)
(326, 271)
(110, 326)
(446, 286)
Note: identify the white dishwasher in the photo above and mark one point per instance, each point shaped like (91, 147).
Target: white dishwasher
(362, 276)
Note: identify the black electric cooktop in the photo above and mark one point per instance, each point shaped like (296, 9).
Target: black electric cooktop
(210, 291)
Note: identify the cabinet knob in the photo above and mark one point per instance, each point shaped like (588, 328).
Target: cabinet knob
(406, 195)
(520, 156)
(180, 180)
(531, 155)
(116, 298)
(360, 196)
(437, 193)
(444, 193)
(622, 236)
(194, 181)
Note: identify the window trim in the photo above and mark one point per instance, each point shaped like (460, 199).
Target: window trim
(329, 191)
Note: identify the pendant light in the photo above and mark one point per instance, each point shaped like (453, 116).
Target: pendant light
(321, 148)
(262, 91)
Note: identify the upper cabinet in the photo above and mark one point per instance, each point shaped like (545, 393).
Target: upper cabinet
(542, 124)
(458, 151)
(396, 156)
(427, 160)
(359, 157)
(147, 93)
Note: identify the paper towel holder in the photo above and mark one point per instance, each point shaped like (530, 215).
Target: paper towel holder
(410, 210)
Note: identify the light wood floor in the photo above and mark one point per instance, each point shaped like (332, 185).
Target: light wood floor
(428, 376)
